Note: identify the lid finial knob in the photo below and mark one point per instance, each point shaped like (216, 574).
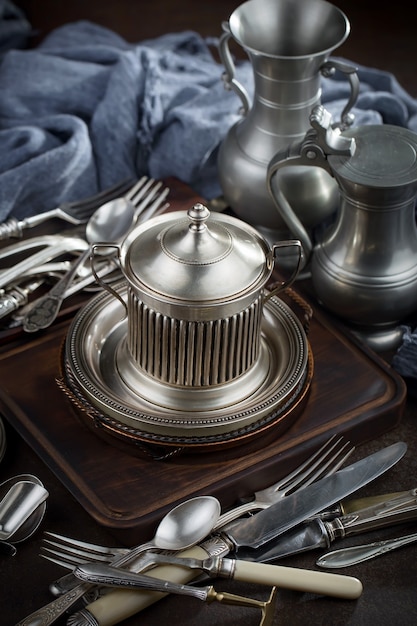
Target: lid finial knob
(198, 215)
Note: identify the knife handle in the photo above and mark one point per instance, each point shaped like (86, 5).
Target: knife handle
(356, 504)
(402, 508)
(323, 583)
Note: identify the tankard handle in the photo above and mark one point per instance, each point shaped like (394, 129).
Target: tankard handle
(328, 69)
(291, 243)
(95, 247)
(228, 77)
(322, 139)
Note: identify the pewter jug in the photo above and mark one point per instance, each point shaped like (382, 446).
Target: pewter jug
(288, 43)
(364, 264)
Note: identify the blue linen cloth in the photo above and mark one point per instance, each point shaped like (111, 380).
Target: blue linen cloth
(86, 108)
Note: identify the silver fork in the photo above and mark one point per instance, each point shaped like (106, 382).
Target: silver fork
(69, 552)
(77, 212)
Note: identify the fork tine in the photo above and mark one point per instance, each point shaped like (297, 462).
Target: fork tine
(74, 556)
(334, 463)
(294, 478)
(64, 561)
(76, 553)
(150, 195)
(324, 460)
(140, 190)
(150, 201)
(70, 544)
(155, 208)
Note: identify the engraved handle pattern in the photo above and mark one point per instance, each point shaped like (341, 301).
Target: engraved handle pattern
(50, 612)
(44, 311)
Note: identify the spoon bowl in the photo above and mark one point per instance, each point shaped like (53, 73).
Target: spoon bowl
(186, 524)
(18, 504)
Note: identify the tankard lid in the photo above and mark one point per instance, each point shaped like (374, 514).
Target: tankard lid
(385, 156)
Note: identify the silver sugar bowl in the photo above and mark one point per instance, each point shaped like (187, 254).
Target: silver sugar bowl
(195, 296)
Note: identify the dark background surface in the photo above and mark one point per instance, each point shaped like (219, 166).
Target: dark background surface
(382, 36)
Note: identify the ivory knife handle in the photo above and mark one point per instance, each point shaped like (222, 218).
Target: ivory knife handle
(305, 580)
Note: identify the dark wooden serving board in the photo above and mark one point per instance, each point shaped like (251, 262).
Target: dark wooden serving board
(353, 392)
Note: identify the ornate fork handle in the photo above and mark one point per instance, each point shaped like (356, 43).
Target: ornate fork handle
(49, 613)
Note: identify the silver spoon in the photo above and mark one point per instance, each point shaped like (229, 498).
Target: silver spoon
(17, 506)
(110, 223)
(182, 527)
(344, 557)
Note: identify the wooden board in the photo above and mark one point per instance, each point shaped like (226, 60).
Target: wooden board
(353, 392)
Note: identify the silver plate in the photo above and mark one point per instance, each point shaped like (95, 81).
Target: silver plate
(95, 361)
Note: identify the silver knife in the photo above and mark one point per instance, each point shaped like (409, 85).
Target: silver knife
(318, 533)
(338, 586)
(295, 508)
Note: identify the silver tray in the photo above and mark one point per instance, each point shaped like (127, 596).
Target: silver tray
(97, 368)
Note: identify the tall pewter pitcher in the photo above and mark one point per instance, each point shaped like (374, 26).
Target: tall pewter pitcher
(364, 264)
(288, 43)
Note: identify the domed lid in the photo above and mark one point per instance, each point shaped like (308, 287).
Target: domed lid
(385, 156)
(194, 257)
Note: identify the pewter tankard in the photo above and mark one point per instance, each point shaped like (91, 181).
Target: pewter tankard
(288, 43)
(364, 265)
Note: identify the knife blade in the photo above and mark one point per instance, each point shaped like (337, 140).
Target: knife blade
(317, 533)
(295, 508)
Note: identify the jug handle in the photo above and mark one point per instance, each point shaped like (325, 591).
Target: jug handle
(285, 284)
(100, 281)
(328, 69)
(228, 77)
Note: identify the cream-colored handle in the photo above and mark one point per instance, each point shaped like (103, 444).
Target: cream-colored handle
(119, 605)
(310, 581)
